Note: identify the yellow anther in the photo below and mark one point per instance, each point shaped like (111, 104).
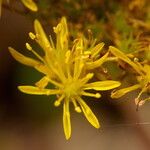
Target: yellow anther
(77, 109)
(32, 35)
(56, 103)
(28, 46)
(97, 95)
(136, 59)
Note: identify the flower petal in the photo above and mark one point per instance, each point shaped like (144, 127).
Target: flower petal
(37, 91)
(41, 36)
(88, 113)
(43, 69)
(102, 85)
(97, 63)
(96, 50)
(123, 57)
(66, 119)
(121, 92)
(61, 31)
(42, 83)
(30, 4)
(23, 59)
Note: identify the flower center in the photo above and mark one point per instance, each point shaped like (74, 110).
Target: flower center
(71, 88)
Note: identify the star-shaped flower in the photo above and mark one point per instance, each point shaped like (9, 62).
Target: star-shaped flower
(68, 68)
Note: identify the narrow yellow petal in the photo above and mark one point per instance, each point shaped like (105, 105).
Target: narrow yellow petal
(123, 57)
(96, 50)
(88, 113)
(66, 119)
(23, 59)
(97, 63)
(43, 69)
(41, 36)
(37, 91)
(102, 85)
(121, 92)
(42, 83)
(30, 4)
(61, 31)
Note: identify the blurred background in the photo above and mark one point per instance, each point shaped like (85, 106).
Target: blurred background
(32, 122)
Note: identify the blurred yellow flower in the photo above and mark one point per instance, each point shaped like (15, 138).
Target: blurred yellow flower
(142, 76)
(69, 69)
(30, 4)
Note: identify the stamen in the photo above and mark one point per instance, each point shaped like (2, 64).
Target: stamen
(147, 99)
(97, 95)
(86, 78)
(77, 108)
(28, 46)
(54, 82)
(141, 92)
(51, 42)
(137, 99)
(32, 36)
(58, 101)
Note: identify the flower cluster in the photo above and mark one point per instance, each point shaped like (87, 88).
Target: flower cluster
(70, 68)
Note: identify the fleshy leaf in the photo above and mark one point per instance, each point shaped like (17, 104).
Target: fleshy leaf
(88, 113)
(30, 4)
(66, 119)
(102, 85)
(23, 59)
(121, 92)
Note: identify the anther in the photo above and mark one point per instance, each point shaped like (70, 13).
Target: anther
(28, 46)
(77, 109)
(136, 59)
(97, 95)
(56, 103)
(32, 35)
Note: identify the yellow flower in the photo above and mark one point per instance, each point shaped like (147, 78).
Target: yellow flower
(142, 76)
(30, 4)
(69, 69)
